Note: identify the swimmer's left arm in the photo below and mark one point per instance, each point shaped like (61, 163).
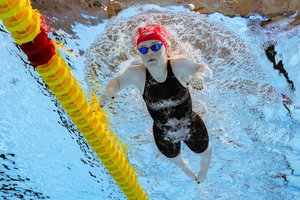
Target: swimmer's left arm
(190, 72)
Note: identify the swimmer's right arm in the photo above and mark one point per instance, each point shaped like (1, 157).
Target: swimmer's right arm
(132, 76)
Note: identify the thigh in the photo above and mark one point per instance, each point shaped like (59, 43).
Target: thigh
(197, 139)
(166, 146)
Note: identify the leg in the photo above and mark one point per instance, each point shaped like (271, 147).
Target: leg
(184, 165)
(198, 142)
(204, 164)
(172, 151)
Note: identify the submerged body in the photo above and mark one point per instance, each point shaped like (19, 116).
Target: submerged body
(170, 106)
(163, 81)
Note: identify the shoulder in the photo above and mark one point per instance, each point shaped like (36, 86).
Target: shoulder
(139, 70)
(187, 67)
(178, 65)
(181, 64)
(178, 61)
(135, 71)
(134, 75)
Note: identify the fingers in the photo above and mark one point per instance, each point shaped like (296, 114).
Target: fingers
(105, 99)
(198, 87)
(102, 102)
(197, 84)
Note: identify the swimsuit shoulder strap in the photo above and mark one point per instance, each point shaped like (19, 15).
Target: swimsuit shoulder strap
(147, 74)
(169, 68)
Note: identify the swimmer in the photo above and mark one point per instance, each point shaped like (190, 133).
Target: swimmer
(163, 82)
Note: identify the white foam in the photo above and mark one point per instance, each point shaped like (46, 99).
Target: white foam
(166, 104)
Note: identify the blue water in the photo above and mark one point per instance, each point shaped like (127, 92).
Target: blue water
(255, 137)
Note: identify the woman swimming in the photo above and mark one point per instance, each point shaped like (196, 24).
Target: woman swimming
(163, 81)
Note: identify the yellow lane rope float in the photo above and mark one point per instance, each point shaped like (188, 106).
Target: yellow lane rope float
(24, 25)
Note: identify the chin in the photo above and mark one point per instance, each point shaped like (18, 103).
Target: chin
(153, 62)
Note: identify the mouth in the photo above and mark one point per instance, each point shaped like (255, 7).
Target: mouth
(151, 60)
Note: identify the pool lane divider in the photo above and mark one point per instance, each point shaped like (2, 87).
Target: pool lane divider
(24, 24)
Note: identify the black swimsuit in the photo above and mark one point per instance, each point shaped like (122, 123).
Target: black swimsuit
(170, 106)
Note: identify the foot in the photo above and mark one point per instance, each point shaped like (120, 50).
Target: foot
(201, 177)
(184, 166)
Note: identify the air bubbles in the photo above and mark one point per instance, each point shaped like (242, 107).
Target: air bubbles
(192, 35)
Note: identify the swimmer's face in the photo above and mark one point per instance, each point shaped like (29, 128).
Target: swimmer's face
(152, 57)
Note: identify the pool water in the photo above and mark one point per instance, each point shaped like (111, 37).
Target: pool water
(254, 132)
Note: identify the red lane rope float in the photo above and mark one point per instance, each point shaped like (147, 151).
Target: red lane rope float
(40, 50)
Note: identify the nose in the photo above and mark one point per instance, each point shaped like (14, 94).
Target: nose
(150, 52)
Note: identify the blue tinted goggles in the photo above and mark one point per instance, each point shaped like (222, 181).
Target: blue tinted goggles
(154, 47)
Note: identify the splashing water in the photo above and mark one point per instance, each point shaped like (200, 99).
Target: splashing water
(255, 139)
(247, 123)
(193, 36)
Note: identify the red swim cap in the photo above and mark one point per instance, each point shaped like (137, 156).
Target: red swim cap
(152, 32)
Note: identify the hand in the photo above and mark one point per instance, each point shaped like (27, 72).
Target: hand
(196, 84)
(106, 98)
